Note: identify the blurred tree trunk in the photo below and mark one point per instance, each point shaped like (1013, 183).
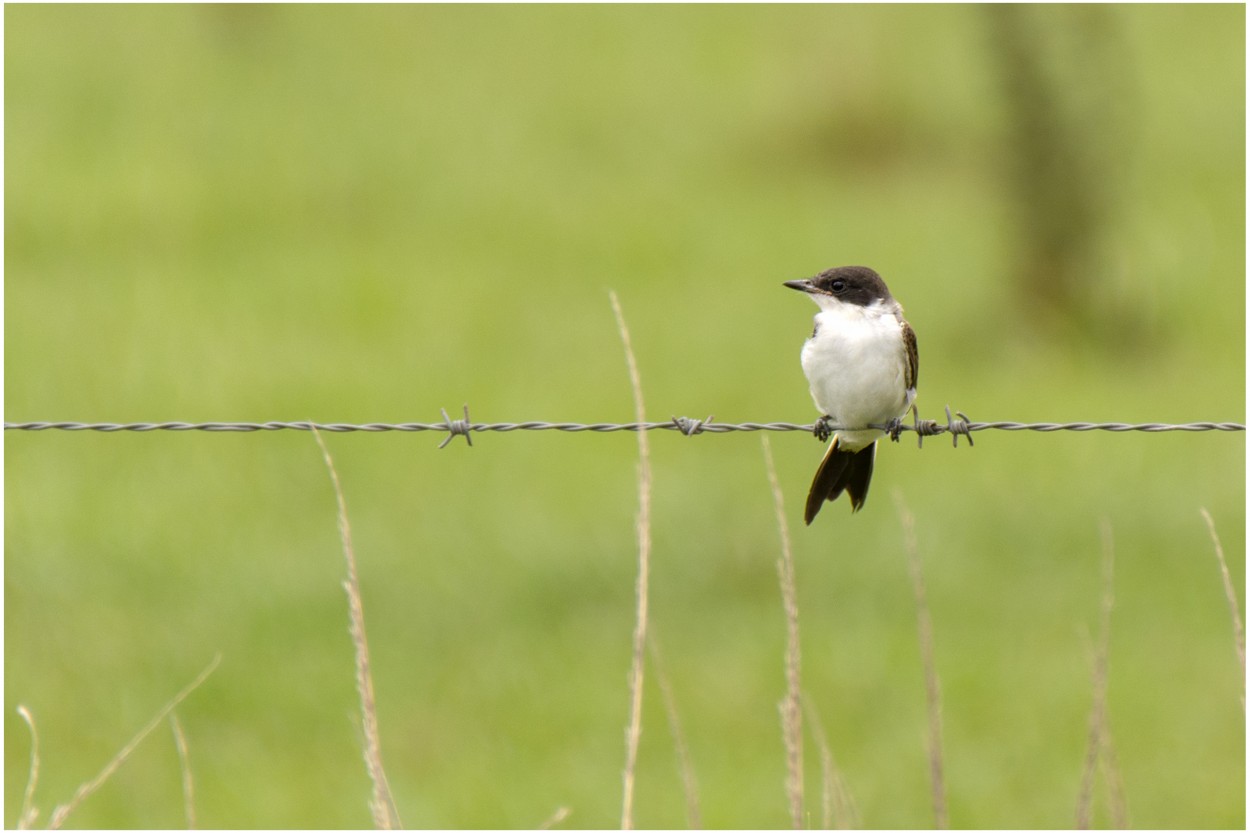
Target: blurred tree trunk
(1065, 149)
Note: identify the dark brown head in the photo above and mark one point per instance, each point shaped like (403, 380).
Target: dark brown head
(856, 285)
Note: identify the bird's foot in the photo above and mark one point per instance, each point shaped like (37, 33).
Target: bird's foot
(823, 428)
(893, 428)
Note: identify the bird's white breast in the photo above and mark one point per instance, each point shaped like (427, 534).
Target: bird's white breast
(856, 364)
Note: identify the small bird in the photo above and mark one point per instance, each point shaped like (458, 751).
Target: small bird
(861, 364)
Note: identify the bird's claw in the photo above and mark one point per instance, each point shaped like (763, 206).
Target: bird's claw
(822, 430)
(893, 428)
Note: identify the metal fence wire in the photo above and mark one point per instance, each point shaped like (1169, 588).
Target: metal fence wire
(957, 425)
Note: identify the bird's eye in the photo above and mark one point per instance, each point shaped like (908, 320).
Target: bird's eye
(837, 286)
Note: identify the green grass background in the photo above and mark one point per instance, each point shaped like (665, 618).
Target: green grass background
(366, 214)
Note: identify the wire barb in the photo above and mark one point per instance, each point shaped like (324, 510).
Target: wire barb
(455, 427)
(922, 427)
(689, 426)
(958, 426)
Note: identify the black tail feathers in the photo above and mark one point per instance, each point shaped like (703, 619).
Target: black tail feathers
(840, 471)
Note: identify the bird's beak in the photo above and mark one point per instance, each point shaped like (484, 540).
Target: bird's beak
(804, 285)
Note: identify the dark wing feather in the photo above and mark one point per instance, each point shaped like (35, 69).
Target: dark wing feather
(913, 356)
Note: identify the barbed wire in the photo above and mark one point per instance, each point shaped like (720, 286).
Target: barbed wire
(957, 426)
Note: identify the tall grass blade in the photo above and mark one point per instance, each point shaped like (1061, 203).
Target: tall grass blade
(791, 706)
(838, 811)
(381, 803)
(932, 685)
(1230, 593)
(690, 786)
(633, 732)
(184, 764)
(1099, 748)
(62, 812)
(28, 812)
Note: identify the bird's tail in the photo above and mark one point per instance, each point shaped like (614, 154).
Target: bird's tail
(840, 471)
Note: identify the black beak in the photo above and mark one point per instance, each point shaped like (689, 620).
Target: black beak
(804, 285)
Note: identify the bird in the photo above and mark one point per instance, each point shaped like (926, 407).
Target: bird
(861, 364)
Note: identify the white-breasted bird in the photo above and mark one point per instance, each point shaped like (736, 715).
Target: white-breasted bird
(861, 362)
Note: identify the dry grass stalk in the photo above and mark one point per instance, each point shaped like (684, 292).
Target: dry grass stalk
(385, 815)
(1098, 747)
(28, 813)
(558, 816)
(1115, 784)
(838, 810)
(60, 813)
(633, 732)
(1230, 592)
(791, 706)
(933, 690)
(690, 785)
(184, 764)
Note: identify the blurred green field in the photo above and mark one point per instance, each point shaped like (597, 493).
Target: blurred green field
(363, 214)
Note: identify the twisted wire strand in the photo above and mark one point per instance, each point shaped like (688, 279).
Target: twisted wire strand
(684, 425)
